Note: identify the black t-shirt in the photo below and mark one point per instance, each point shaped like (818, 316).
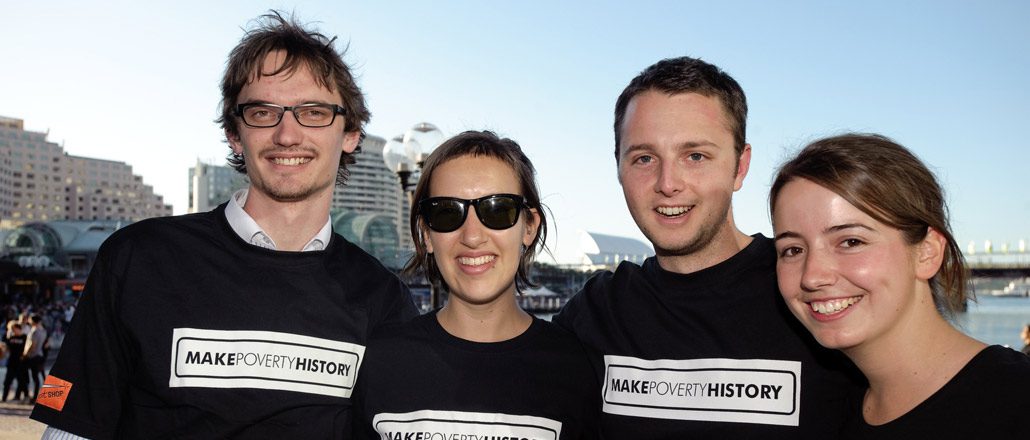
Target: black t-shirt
(989, 398)
(186, 331)
(711, 354)
(15, 348)
(419, 381)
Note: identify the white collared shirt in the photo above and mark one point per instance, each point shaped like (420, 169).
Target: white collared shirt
(248, 229)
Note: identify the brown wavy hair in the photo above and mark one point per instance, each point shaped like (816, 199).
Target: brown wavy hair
(303, 48)
(890, 184)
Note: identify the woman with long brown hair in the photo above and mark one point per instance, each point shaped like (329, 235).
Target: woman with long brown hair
(867, 262)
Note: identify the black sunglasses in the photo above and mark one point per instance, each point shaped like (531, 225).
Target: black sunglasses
(447, 214)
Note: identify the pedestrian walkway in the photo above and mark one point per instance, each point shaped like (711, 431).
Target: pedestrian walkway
(14, 416)
(20, 428)
(15, 423)
(10, 408)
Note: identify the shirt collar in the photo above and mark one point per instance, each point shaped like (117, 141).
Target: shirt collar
(248, 229)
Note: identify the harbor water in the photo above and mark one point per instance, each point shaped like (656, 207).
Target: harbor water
(995, 320)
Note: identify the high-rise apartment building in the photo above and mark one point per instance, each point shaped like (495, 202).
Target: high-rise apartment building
(6, 184)
(373, 189)
(40, 182)
(211, 185)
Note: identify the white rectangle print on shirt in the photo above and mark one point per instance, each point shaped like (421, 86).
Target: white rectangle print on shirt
(265, 360)
(726, 390)
(435, 424)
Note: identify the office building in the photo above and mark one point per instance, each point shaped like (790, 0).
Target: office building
(211, 185)
(6, 165)
(40, 182)
(373, 189)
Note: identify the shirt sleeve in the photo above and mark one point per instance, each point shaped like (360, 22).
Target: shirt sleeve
(86, 386)
(361, 425)
(398, 307)
(52, 433)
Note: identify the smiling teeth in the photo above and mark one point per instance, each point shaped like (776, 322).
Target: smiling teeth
(672, 210)
(834, 305)
(478, 261)
(291, 161)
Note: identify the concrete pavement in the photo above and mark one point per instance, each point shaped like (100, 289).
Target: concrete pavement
(15, 423)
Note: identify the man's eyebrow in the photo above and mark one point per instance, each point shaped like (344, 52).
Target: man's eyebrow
(636, 147)
(263, 102)
(699, 143)
(255, 101)
(687, 144)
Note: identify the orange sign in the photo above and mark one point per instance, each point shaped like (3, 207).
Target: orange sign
(54, 392)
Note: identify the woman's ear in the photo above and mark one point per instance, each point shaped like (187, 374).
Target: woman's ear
(930, 254)
(532, 224)
(425, 236)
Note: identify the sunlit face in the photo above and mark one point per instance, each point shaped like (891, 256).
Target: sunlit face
(678, 170)
(848, 278)
(478, 263)
(290, 162)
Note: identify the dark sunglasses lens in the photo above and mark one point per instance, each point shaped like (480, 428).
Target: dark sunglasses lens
(445, 215)
(498, 212)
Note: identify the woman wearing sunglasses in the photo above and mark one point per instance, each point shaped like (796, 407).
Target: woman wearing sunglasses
(480, 366)
(867, 262)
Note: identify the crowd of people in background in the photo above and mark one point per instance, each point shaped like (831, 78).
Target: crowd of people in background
(29, 331)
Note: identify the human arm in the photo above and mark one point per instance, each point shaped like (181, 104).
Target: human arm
(88, 381)
(35, 339)
(52, 433)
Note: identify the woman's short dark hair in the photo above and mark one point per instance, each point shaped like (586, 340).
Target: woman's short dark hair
(477, 144)
(890, 184)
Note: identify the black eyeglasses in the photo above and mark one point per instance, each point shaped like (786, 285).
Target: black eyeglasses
(447, 214)
(259, 115)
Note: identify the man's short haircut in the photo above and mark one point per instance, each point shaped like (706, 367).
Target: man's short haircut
(688, 75)
(303, 48)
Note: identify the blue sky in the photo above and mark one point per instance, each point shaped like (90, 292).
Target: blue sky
(138, 82)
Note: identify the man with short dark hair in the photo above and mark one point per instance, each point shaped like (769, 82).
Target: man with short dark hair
(248, 321)
(697, 342)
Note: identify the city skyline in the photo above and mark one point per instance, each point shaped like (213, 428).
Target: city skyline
(139, 84)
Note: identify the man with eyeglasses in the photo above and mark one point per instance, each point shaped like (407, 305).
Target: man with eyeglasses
(248, 321)
(696, 342)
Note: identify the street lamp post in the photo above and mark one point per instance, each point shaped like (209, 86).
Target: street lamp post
(404, 154)
(420, 140)
(398, 161)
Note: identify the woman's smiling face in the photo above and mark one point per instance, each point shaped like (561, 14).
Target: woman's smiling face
(478, 263)
(847, 277)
